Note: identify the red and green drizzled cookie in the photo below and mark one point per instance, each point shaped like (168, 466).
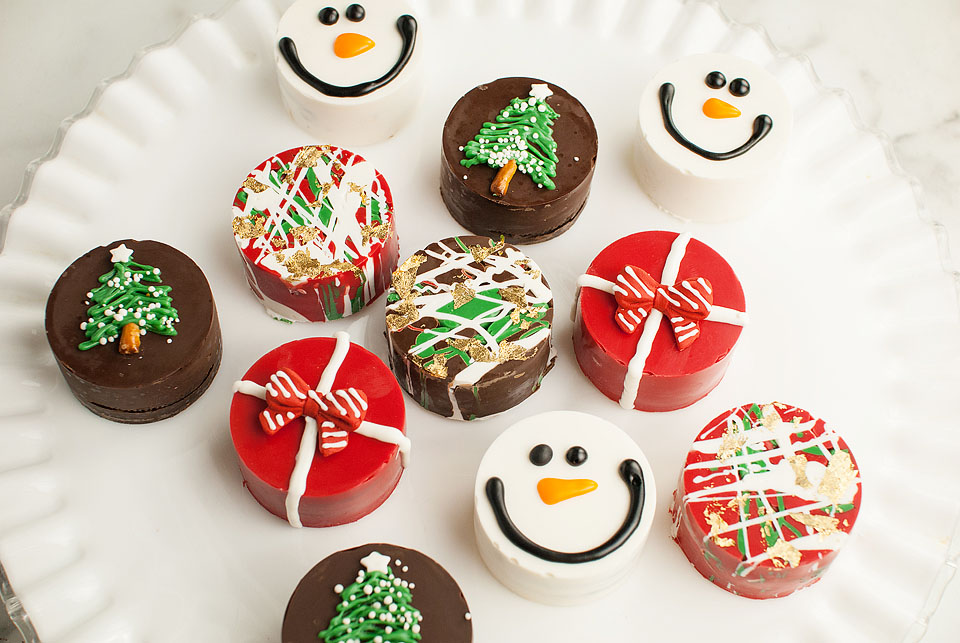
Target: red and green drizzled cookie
(314, 226)
(767, 496)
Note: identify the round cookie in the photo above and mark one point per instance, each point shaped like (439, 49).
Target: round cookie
(411, 597)
(314, 228)
(318, 425)
(712, 131)
(658, 315)
(767, 496)
(563, 504)
(469, 325)
(349, 72)
(549, 137)
(134, 329)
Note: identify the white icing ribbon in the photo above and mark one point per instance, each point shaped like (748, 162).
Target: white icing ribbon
(671, 268)
(308, 441)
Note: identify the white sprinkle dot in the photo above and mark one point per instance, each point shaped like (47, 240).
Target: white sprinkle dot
(467, 616)
(576, 158)
(464, 177)
(339, 588)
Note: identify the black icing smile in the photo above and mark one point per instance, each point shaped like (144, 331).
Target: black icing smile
(406, 25)
(762, 125)
(632, 476)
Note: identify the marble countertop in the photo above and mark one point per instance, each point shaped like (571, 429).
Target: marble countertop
(898, 61)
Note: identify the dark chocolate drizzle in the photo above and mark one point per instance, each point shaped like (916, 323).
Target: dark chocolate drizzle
(406, 25)
(632, 475)
(762, 125)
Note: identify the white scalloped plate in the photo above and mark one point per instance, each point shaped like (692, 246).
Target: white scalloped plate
(113, 532)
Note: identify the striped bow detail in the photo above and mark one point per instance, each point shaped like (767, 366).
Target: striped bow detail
(337, 413)
(684, 304)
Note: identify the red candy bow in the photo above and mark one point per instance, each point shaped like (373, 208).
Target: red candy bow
(684, 304)
(337, 413)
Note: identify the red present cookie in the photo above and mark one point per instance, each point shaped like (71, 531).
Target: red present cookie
(314, 226)
(767, 496)
(318, 425)
(657, 318)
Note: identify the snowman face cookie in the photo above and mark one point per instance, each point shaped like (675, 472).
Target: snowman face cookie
(712, 130)
(347, 50)
(563, 505)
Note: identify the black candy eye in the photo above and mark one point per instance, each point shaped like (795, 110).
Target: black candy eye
(355, 13)
(715, 80)
(739, 87)
(328, 16)
(576, 456)
(541, 454)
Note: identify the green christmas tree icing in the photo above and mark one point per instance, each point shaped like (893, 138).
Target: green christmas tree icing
(376, 608)
(127, 295)
(523, 132)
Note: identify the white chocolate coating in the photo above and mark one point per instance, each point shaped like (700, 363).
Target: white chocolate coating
(689, 185)
(577, 524)
(357, 120)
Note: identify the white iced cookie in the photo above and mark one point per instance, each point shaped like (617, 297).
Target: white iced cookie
(349, 73)
(712, 131)
(563, 505)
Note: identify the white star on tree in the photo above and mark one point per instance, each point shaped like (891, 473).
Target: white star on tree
(375, 562)
(540, 91)
(121, 254)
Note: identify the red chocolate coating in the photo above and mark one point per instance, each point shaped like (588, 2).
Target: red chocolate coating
(526, 213)
(436, 595)
(342, 487)
(721, 562)
(672, 379)
(163, 378)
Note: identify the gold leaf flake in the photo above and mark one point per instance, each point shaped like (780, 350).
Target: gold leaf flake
(480, 253)
(516, 295)
(302, 265)
(379, 230)
(323, 189)
(824, 525)
(361, 190)
(479, 353)
(307, 156)
(304, 234)
(288, 175)
(462, 343)
(462, 294)
(336, 167)
(799, 464)
(412, 263)
(769, 416)
(335, 267)
(510, 351)
(731, 441)
(838, 476)
(717, 526)
(438, 366)
(247, 228)
(254, 185)
(406, 313)
(783, 553)
(278, 243)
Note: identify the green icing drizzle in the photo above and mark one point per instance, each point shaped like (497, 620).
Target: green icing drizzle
(124, 297)
(377, 607)
(476, 309)
(523, 132)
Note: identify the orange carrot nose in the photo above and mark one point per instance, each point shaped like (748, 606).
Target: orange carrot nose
(716, 108)
(348, 45)
(554, 490)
